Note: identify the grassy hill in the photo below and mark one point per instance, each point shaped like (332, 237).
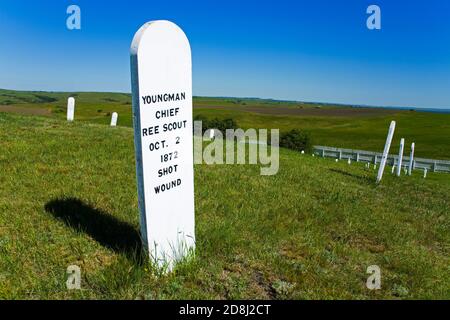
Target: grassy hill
(68, 196)
(332, 125)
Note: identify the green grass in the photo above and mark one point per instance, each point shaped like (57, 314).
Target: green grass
(68, 196)
(430, 131)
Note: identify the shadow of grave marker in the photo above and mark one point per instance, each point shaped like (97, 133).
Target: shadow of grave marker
(110, 232)
(361, 178)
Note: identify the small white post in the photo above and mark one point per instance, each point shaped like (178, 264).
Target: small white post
(400, 157)
(425, 172)
(411, 159)
(70, 109)
(349, 161)
(386, 151)
(303, 151)
(337, 160)
(393, 169)
(114, 117)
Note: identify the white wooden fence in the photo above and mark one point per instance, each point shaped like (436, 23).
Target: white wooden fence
(375, 158)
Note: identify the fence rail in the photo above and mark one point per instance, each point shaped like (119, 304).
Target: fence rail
(375, 158)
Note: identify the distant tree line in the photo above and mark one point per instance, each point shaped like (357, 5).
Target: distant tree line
(216, 123)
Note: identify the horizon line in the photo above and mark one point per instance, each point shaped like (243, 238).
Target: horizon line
(352, 105)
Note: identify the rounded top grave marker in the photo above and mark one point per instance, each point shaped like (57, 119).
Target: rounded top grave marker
(161, 78)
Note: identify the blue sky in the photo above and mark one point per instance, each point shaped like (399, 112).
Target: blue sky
(293, 50)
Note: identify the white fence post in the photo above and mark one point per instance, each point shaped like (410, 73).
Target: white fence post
(411, 159)
(400, 157)
(386, 151)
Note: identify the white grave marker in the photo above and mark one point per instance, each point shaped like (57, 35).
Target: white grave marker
(114, 117)
(386, 151)
(425, 172)
(411, 159)
(400, 157)
(161, 73)
(70, 109)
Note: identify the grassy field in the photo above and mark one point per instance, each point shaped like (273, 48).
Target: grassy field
(68, 196)
(336, 126)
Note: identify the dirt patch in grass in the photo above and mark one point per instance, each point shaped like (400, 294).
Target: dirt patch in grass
(308, 111)
(26, 110)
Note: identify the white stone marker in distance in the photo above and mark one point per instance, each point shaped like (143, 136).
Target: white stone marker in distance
(114, 117)
(425, 172)
(386, 151)
(70, 109)
(411, 159)
(161, 76)
(400, 157)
